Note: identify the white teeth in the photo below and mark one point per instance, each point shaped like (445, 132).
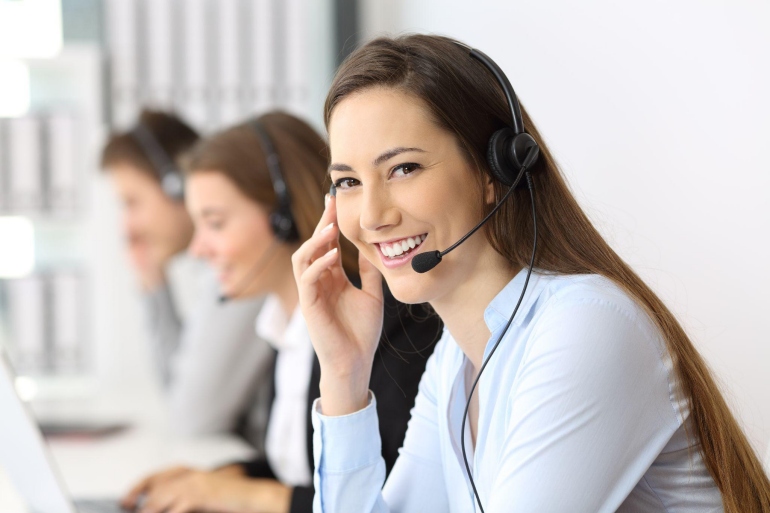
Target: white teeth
(399, 248)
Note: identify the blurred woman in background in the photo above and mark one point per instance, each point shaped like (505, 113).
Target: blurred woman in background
(256, 192)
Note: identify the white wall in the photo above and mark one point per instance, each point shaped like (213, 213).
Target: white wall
(659, 113)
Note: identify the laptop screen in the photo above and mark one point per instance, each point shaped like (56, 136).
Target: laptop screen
(23, 452)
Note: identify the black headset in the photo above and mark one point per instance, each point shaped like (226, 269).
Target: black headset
(281, 218)
(510, 150)
(171, 178)
(511, 153)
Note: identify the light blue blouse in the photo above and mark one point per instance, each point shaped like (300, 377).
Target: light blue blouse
(579, 411)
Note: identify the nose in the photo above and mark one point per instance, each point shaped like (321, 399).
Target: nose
(130, 226)
(199, 248)
(378, 210)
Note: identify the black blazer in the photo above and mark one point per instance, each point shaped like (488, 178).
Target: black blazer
(409, 334)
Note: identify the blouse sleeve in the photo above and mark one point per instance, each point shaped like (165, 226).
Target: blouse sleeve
(218, 365)
(589, 413)
(350, 470)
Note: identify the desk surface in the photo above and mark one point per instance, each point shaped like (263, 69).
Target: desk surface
(106, 467)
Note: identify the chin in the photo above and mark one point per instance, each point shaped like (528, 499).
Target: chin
(412, 288)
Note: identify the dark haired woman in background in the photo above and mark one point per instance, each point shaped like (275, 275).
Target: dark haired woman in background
(232, 196)
(206, 353)
(595, 399)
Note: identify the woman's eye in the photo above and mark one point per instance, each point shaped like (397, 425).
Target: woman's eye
(404, 169)
(216, 225)
(346, 183)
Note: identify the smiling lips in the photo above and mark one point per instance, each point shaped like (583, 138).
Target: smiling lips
(399, 249)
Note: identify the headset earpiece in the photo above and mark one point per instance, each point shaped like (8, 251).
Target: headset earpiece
(281, 219)
(507, 153)
(282, 224)
(525, 151)
(172, 184)
(171, 178)
(497, 156)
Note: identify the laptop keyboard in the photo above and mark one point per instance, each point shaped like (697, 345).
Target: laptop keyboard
(98, 506)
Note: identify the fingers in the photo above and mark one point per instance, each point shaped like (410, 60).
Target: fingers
(330, 214)
(131, 499)
(233, 469)
(145, 485)
(315, 247)
(314, 271)
(159, 503)
(371, 278)
(181, 507)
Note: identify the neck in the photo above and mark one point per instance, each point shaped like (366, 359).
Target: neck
(287, 293)
(462, 308)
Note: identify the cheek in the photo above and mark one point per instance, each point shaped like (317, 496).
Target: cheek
(349, 222)
(236, 247)
(248, 241)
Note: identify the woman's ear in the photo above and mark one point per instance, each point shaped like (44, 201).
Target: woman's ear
(489, 191)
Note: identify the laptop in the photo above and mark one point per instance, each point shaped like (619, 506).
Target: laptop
(24, 456)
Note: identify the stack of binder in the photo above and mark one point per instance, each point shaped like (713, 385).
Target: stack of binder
(38, 165)
(45, 322)
(213, 61)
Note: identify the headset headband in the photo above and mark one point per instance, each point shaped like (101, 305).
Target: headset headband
(510, 150)
(510, 94)
(169, 174)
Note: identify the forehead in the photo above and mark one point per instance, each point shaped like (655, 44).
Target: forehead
(377, 118)
(211, 184)
(212, 188)
(128, 175)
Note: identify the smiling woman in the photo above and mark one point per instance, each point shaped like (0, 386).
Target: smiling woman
(595, 399)
(255, 192)
(424, 191)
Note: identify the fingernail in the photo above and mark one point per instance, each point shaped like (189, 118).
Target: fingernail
(333, 190)
(331, 252)
(327, 227)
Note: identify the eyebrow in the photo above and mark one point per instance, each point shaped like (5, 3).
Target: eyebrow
(384, 157)
(211, 211)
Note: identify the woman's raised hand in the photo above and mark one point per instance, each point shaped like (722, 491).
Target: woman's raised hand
(344, 322)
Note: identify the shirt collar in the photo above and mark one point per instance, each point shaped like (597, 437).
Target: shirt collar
(272, 325)
(499, 310)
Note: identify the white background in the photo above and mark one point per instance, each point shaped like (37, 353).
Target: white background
(659, 114)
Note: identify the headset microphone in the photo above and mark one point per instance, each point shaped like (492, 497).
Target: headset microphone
(255, 271)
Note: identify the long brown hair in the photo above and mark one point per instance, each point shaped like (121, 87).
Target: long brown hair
(468, 102)
(238, 154)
